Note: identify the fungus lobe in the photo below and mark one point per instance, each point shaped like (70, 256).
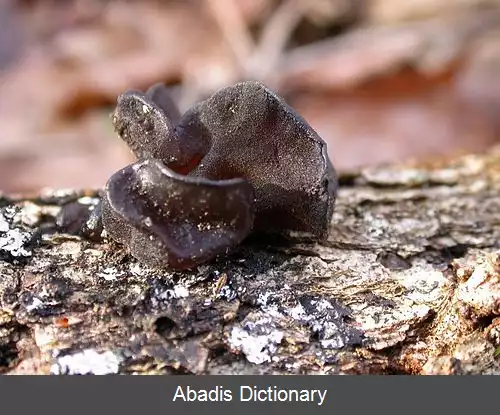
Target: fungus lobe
(174, 220)
(254, 134)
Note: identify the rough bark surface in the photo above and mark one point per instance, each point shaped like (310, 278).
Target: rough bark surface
(408, 282)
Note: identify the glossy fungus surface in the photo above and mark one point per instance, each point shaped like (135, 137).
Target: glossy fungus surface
(166, 218)
(240, 161)
(142, 122)
(254, 134)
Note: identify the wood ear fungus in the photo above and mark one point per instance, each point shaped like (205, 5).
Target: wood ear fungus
(238, 162)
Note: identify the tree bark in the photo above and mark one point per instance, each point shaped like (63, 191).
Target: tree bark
(407, 282)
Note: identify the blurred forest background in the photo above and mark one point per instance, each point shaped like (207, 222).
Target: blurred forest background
(380, 80)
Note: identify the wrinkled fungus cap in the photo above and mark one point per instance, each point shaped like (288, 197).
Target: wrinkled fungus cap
(239, 161)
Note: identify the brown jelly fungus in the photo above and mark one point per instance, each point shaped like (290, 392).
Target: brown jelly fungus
(238, 162)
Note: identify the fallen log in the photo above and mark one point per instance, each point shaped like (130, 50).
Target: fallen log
(407, 282)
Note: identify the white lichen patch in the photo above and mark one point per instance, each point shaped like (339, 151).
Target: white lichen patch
(35, 304)
(258, 341)
(227, 293)
(180, 291)
(264, 297)
(138, 269)
(163, 294)
(43, 299)
(322, 318)
(13, 240)
(87, 362)
(4, 225)
(110, 274)
(325, 320)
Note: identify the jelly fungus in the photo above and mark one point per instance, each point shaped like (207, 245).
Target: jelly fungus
(241, 161)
